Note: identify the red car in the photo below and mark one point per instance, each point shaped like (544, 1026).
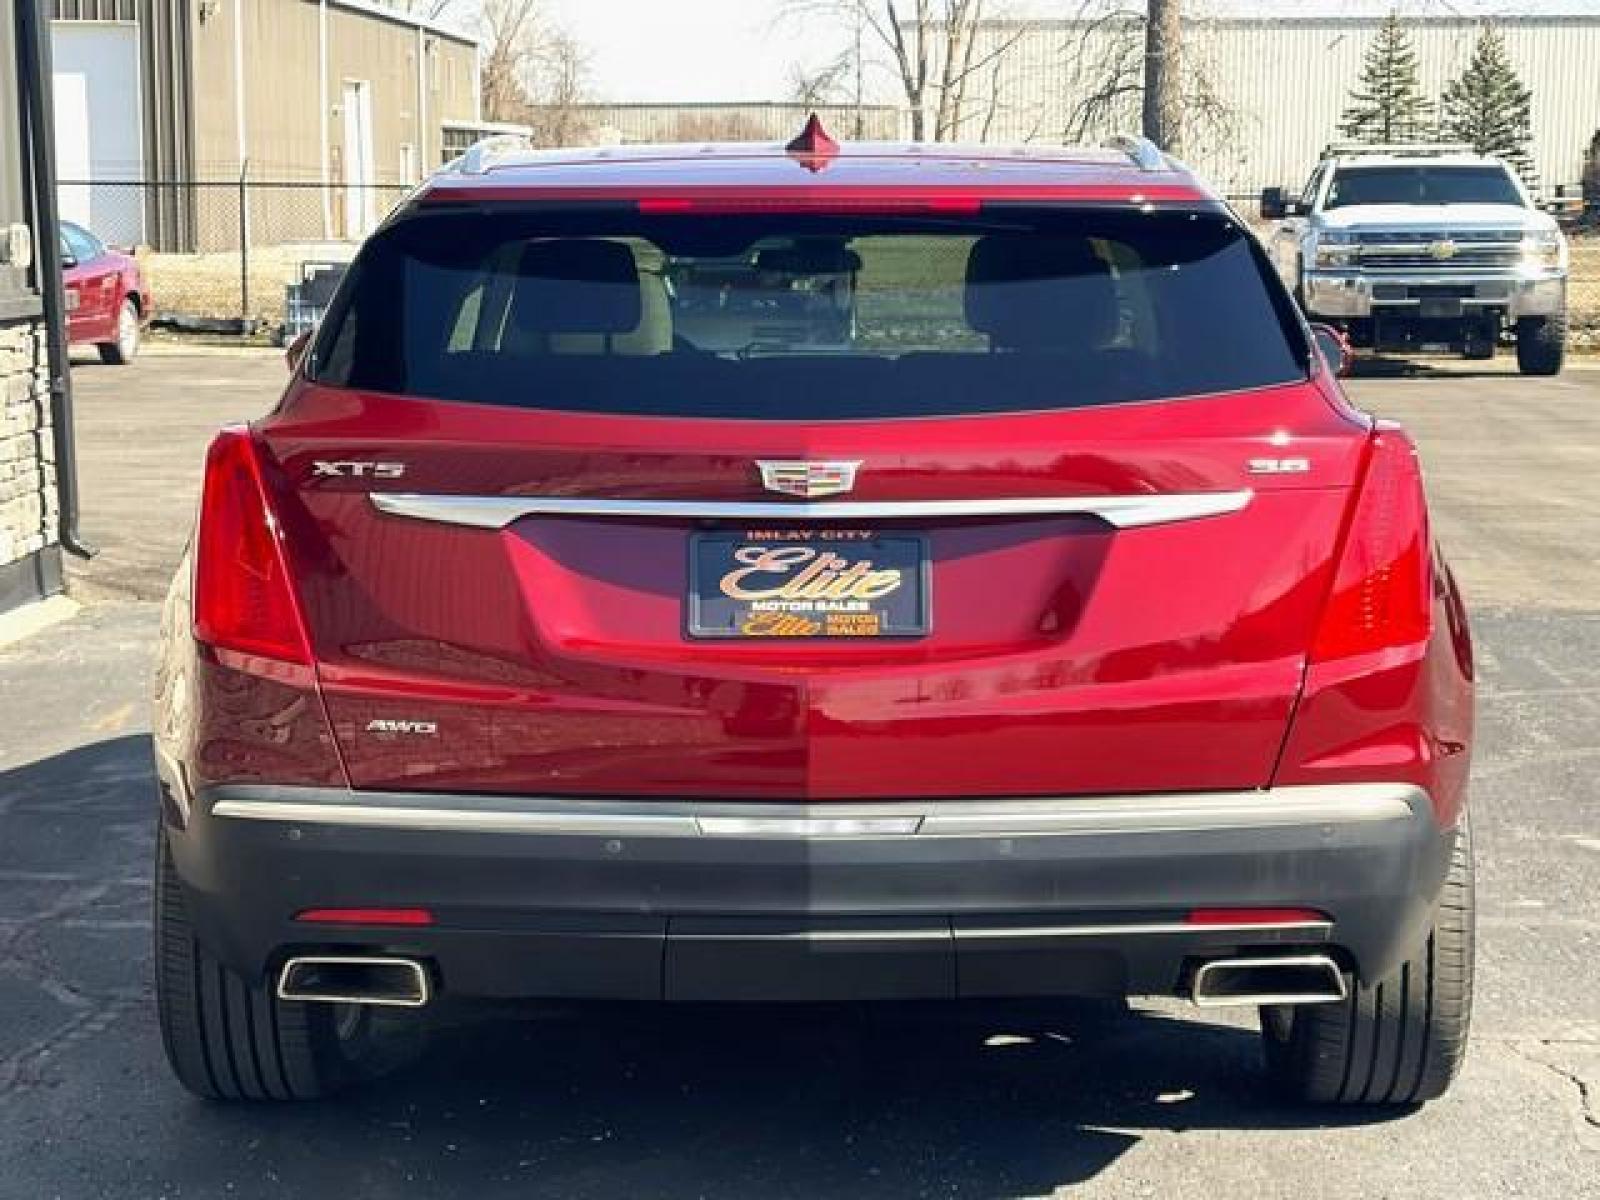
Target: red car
(108, 304)
(1057, 628)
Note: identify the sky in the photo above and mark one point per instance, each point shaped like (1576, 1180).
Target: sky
(689, 49)
(742, 50)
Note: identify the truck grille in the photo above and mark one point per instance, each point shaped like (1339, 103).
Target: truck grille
(1439, 251)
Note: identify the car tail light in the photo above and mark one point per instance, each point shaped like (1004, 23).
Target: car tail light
(244, 596)
(1381, 592)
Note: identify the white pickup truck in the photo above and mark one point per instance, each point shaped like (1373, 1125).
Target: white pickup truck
(1424, 248)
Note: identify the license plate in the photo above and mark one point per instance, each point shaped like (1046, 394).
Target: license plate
(808, 583)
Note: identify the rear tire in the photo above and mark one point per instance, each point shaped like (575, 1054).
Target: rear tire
(1399, 1041)
(122, 351)
(229, 1037)
(1542, 344)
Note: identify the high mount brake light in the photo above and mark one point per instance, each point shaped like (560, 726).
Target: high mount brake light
(1381, 594)
(756, 203)
(244, 595)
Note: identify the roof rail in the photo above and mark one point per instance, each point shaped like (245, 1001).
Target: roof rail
(481, 154)
(1413, 149)
(1146, 154)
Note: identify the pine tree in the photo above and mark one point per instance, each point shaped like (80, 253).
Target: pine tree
(1488, 107)
(1387, 104)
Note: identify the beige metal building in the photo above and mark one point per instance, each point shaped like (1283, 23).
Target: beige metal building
(1268, 83)
(343, 93)
(758, 121)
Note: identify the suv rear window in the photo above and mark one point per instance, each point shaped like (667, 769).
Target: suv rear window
(809, 316)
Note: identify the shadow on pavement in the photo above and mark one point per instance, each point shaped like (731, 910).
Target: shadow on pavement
(861, 1101)
(769, 1103)
(1369, 367)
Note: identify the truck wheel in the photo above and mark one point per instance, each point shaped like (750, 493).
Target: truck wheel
(230, 1038)
(1541, 344)
(1479, 345)
(1398, 1041)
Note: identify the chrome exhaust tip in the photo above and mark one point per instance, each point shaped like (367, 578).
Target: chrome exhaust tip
(347, 979)
(1298, 979)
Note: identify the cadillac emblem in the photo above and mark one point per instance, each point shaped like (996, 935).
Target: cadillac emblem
(1442, 250)
(807, 479)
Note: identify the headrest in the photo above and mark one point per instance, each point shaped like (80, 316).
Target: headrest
(583, 285)
(1041, 293)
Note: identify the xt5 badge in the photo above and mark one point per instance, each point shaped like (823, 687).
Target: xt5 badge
(351, 468)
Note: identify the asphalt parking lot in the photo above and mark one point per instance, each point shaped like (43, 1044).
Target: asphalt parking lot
(1085, 1100)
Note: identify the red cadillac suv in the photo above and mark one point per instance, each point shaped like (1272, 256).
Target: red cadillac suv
(813, 573)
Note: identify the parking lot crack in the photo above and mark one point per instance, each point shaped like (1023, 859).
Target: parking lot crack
(1586, 1096)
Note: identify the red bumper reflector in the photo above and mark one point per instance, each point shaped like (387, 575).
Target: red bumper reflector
(1265, 917)
(365, 916)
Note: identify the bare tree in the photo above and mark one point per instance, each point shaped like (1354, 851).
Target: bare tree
(933, 49)
(510, 30)
(1163, 74)
(428, 10)
(1105, 62)
(815, 86)
(558, 87)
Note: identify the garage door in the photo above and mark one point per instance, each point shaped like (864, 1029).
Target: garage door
(98, 138)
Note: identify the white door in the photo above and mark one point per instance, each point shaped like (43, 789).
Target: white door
(73, 167)
(358, 172)
(97, 113)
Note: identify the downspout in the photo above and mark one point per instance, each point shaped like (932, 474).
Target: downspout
(37, 72)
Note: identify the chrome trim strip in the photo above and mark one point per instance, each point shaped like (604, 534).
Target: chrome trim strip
(1329, 804)
(458, 820)
(496, 512)
(808, 827)
(1344, 804)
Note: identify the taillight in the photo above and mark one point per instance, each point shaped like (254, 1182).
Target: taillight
(244, 598)
(1381, 593)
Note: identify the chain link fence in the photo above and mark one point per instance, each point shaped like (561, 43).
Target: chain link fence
(236, 255)
(230, 256)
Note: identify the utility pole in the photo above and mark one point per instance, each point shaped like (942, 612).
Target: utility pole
(1163, 75)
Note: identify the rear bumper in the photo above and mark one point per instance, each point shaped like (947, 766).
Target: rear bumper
(740, 901)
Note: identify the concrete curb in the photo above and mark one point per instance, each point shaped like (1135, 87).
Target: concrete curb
(24, 622)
